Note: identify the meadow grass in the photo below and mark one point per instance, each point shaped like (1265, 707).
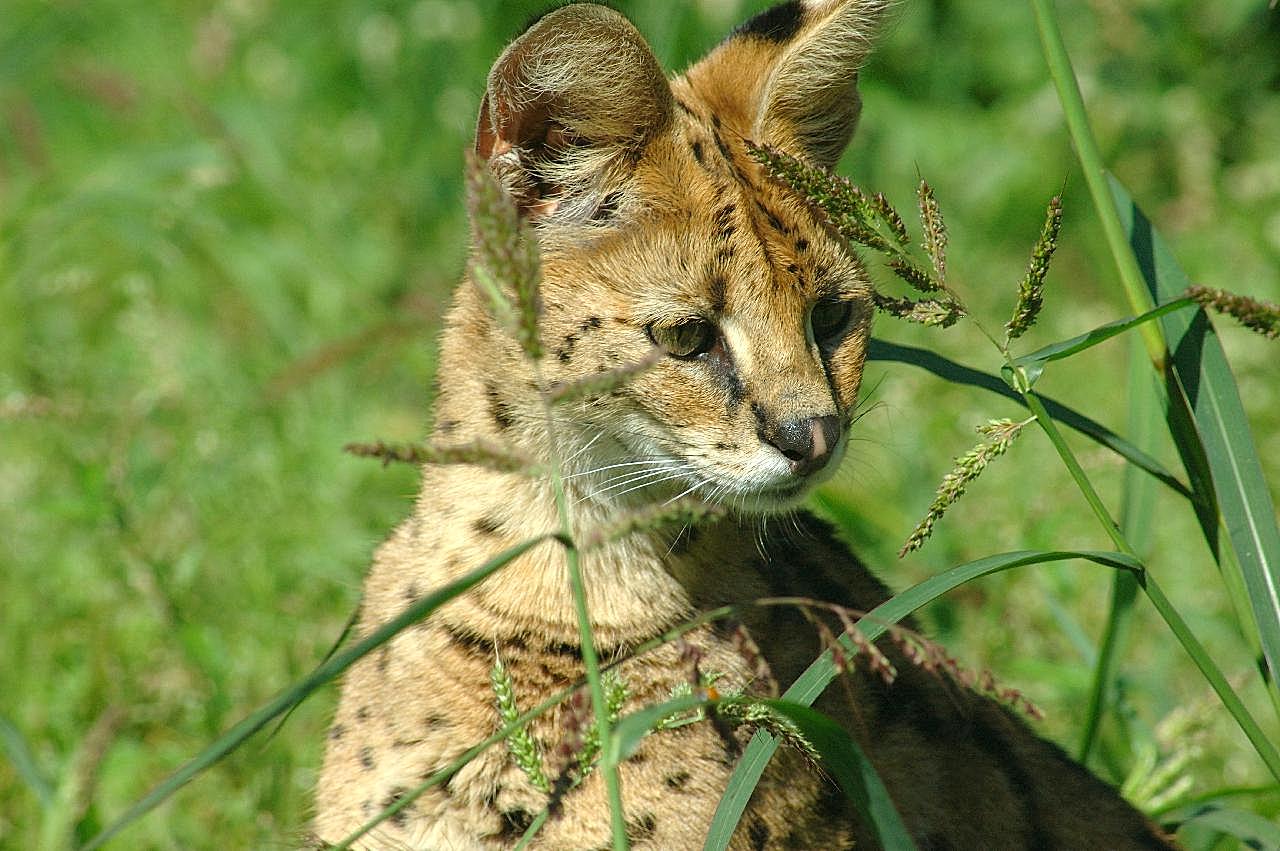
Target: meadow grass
(226, 240)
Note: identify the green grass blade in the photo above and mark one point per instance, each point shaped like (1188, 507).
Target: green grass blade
(852, 770)
(1251, 829)
(1201, 374)
(1082, 139)
(630, 729)
(1066, 348)
(1135, 522)
(945, 368)
(818, 676)
(322, 674)
(1212, 674)
(24, 762)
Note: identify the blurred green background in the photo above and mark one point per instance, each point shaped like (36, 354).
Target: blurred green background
(227, 234)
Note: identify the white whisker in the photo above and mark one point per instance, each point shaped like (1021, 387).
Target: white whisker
(624, 464)
(699, 484)
(677, 475)
(632, 476)
(584, 448)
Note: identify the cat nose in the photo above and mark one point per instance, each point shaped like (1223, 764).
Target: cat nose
(806, 442)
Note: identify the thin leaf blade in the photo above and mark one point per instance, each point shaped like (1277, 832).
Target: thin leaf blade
(1200, 371)
(957, 373)
(852, 770)
(809, 685)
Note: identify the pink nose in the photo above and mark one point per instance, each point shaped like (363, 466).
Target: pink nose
(806, 442)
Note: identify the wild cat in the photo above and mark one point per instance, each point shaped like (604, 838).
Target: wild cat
(656, 228)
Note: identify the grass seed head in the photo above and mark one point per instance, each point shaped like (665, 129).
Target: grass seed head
(935, 232)
(1260, 316)
(522, 746)
(505, 263)
(999, 434)
(1031, 288)
(481, 453)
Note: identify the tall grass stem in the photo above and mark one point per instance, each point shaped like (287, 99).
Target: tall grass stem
(590, 659)
(1095, 173)
(1208, 668)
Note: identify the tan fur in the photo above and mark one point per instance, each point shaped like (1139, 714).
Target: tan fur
(648, 213)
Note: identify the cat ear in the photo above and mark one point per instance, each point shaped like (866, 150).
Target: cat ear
(789, 76)
(568, 105)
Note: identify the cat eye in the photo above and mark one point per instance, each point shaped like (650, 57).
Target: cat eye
(829, 318)
(687, 338)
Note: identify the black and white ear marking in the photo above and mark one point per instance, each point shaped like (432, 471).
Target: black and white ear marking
(777, 24)
(788, 77)
(568, 104)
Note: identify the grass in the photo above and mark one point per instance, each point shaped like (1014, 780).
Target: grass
(226, 238)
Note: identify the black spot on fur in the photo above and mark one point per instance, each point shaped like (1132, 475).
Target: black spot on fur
(774, 221)
(802, 244)
(608, 208)
(401, 818)
(641, 828)
(725, 447)
(515, 823)
(499, 410)
(758, 833)
(362, 714)
(563, 648)
(591, 323)
(384, 659)
(685, 107)
(411, 592)
(724, 149)
(337, 731)
(447, 426)
(795, 841)
(468, 641)
(677, 781)
(778, 24)
(436, 722)
(487, 524)
(792, 268)
(698, 153)
(366, 758)
(565, 352)
(723, 220)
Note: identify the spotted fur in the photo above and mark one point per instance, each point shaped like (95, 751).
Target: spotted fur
(655, 226)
